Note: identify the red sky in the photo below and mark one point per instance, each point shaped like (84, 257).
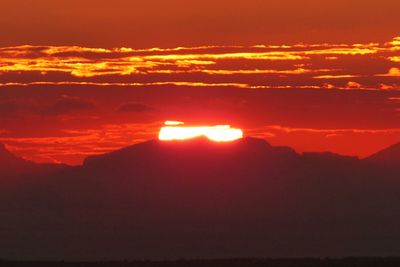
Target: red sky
(83, 77)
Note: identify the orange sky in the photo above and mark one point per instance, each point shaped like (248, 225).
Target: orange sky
(178, 22)
(83, 77)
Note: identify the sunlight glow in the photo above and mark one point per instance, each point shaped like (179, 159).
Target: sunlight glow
(219, 133)
(174, 123)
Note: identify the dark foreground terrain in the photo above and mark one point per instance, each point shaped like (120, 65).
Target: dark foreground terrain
(301, 262)
(201, 200)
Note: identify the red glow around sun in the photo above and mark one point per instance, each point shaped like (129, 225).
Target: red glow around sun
(174, 130)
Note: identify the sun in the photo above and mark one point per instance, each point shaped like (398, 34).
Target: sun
(175, 130)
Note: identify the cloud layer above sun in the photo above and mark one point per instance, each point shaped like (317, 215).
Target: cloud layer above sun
(258, 66)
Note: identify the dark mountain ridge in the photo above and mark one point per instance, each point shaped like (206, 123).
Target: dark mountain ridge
(389, 157)
(11, 165)
(201, 199)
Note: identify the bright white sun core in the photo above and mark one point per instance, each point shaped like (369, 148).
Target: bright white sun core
(175, 130)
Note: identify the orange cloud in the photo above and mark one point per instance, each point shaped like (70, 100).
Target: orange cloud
(389, 86)
(86, 62)
(394, 72)
(335, 76)
(395, 43)
(394, 59)
(203, 84)
(354, 85)
(330, 131)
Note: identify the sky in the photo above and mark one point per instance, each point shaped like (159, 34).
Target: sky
(85, 77)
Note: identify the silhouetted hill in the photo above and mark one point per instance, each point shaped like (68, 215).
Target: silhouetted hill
(388, 157)
(194, 153)
(11, 165)
(201, 199)
(8, 160)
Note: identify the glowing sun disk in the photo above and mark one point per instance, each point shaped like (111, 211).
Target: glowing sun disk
(219, 133)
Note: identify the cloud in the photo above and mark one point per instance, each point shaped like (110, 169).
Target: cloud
(68, 104)
(395, 59)
(384, 86)
(394, 98)
(194, 85)
(394, 72)
(135, 107)
(353, 85)
(287, 129)
(335, 76)
(395, 42)
(252, 66)
(86, 62)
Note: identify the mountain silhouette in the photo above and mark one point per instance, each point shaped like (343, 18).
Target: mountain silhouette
(9, 160)
(201, 199)
(388, 157)
(11, 165)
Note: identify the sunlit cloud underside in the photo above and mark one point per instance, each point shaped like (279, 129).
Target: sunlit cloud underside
(256, 67)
